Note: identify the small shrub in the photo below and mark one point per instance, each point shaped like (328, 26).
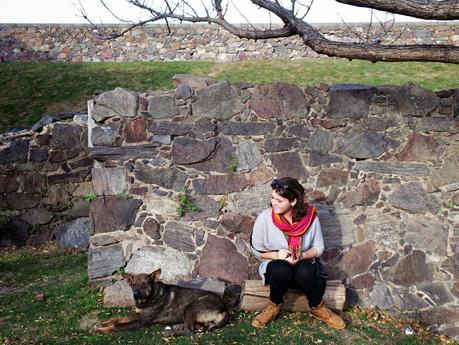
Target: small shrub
(90, 197)
(122, 196)
(186, 203)
(233, 166)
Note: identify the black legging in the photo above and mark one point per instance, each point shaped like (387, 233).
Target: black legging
(304, 276)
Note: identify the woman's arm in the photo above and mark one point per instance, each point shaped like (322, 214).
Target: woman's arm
(281, 254)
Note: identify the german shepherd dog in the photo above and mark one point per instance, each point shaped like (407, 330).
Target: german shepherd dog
(168, 304)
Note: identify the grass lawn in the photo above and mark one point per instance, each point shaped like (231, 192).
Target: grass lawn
(69, 309)
(30, 90)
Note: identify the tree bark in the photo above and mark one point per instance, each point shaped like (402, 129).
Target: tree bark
(437, 10)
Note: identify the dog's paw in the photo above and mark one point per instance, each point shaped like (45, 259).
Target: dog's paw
(100, 330)
(169, 333)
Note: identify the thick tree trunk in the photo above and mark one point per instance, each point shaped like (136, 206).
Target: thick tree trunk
(437, 10)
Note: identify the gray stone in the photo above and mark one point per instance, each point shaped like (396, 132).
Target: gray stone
(246, 128)
(451, 264)
(79, 208)
(74, 234)
(205, 284)
(393, 168)
(382, 229)
(250, 202)
(104, 135)
(220, 184)
(220, 259)
(316, 158)
(180, 237)
(118, 102)
(206, 208)
(434, 124)
(289, 164)
(406, 301)
(15, 152)
(217, 101)
(109, 181)
(174, 264)
(363, 145)
(170, 178)
(183, 92)
(64, 155)
(437, 291)
(162, 139)
(447, 174)
(320, 141)
(111, 214)
(248, 156)
(191, 80)
(66, 136)
(106, 239)
(119, 295)
(38, 154)
(349, 100)
(37, 216)
(299, 130)
(103, 261)
(80, 120)
(438, 315)
(414, 100)
(381, 297)
(413, 198)
(20, 201)
(427, 234)
(279, 144)
(170, 128)
(187, 151)
(162, 106)
(337, 226)
(161, 205)
(279, 100)
(31, 182)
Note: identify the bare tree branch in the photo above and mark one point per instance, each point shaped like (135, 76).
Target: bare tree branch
(295, 25)
(424, 9)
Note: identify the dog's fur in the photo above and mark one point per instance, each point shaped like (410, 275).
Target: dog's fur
(168, 304)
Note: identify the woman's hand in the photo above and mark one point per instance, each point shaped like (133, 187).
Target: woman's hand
(291, 260)
(283, 254)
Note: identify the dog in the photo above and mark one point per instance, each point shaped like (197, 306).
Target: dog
(161, 303)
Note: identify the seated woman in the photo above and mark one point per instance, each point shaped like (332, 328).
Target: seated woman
(288, 240)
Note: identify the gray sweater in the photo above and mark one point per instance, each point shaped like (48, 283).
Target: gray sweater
(267, 237)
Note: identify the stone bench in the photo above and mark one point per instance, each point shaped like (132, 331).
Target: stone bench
(254, 296)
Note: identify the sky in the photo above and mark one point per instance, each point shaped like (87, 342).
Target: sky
(65, 11)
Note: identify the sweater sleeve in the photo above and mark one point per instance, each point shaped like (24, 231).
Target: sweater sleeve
(317, 239)
(257, 237)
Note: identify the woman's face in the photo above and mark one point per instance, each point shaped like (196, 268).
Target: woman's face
(280, 204)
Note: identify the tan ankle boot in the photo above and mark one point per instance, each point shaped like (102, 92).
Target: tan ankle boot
(267, 315)
(321, 312)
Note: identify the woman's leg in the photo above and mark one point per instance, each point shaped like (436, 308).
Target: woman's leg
(308, 280)
(279, 275)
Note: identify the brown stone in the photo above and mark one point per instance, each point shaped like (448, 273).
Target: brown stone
(411, 270)
(419, 148)
(220, 184)
(63, 155)
(332, 176)
(260, 175)
(357, 259)
(151, 228)
(219, 160)
(111, 214)
(451, 264)
(221, 260)
(363, 281)
(429, 235)
(438, 315)
(364, 195)
(134, 131)
(8, 184)
(237, 223)
(279, 100)
(289, 164)
(187, 151)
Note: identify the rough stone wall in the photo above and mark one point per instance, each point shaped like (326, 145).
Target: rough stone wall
(381, 164)
(44, 177)
(60, 42)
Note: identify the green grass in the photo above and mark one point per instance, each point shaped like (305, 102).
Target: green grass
(70, 308)
(29, 90)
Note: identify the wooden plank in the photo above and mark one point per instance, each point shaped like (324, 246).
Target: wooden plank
(255, 295)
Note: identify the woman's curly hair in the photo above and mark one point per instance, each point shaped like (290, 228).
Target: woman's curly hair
(291, 189)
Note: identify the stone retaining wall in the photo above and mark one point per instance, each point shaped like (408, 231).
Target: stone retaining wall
(60, 42)
(179, 178)
(44, 177)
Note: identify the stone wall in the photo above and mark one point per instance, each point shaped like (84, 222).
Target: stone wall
(381, 165)
(59, 42)
(179, 178)
(44, 177)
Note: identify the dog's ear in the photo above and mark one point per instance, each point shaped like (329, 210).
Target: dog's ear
(155, 275)
(128, 278)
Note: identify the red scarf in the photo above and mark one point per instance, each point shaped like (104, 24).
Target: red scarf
(296, 230)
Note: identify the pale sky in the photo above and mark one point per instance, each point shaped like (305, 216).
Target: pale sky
(65, 11)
